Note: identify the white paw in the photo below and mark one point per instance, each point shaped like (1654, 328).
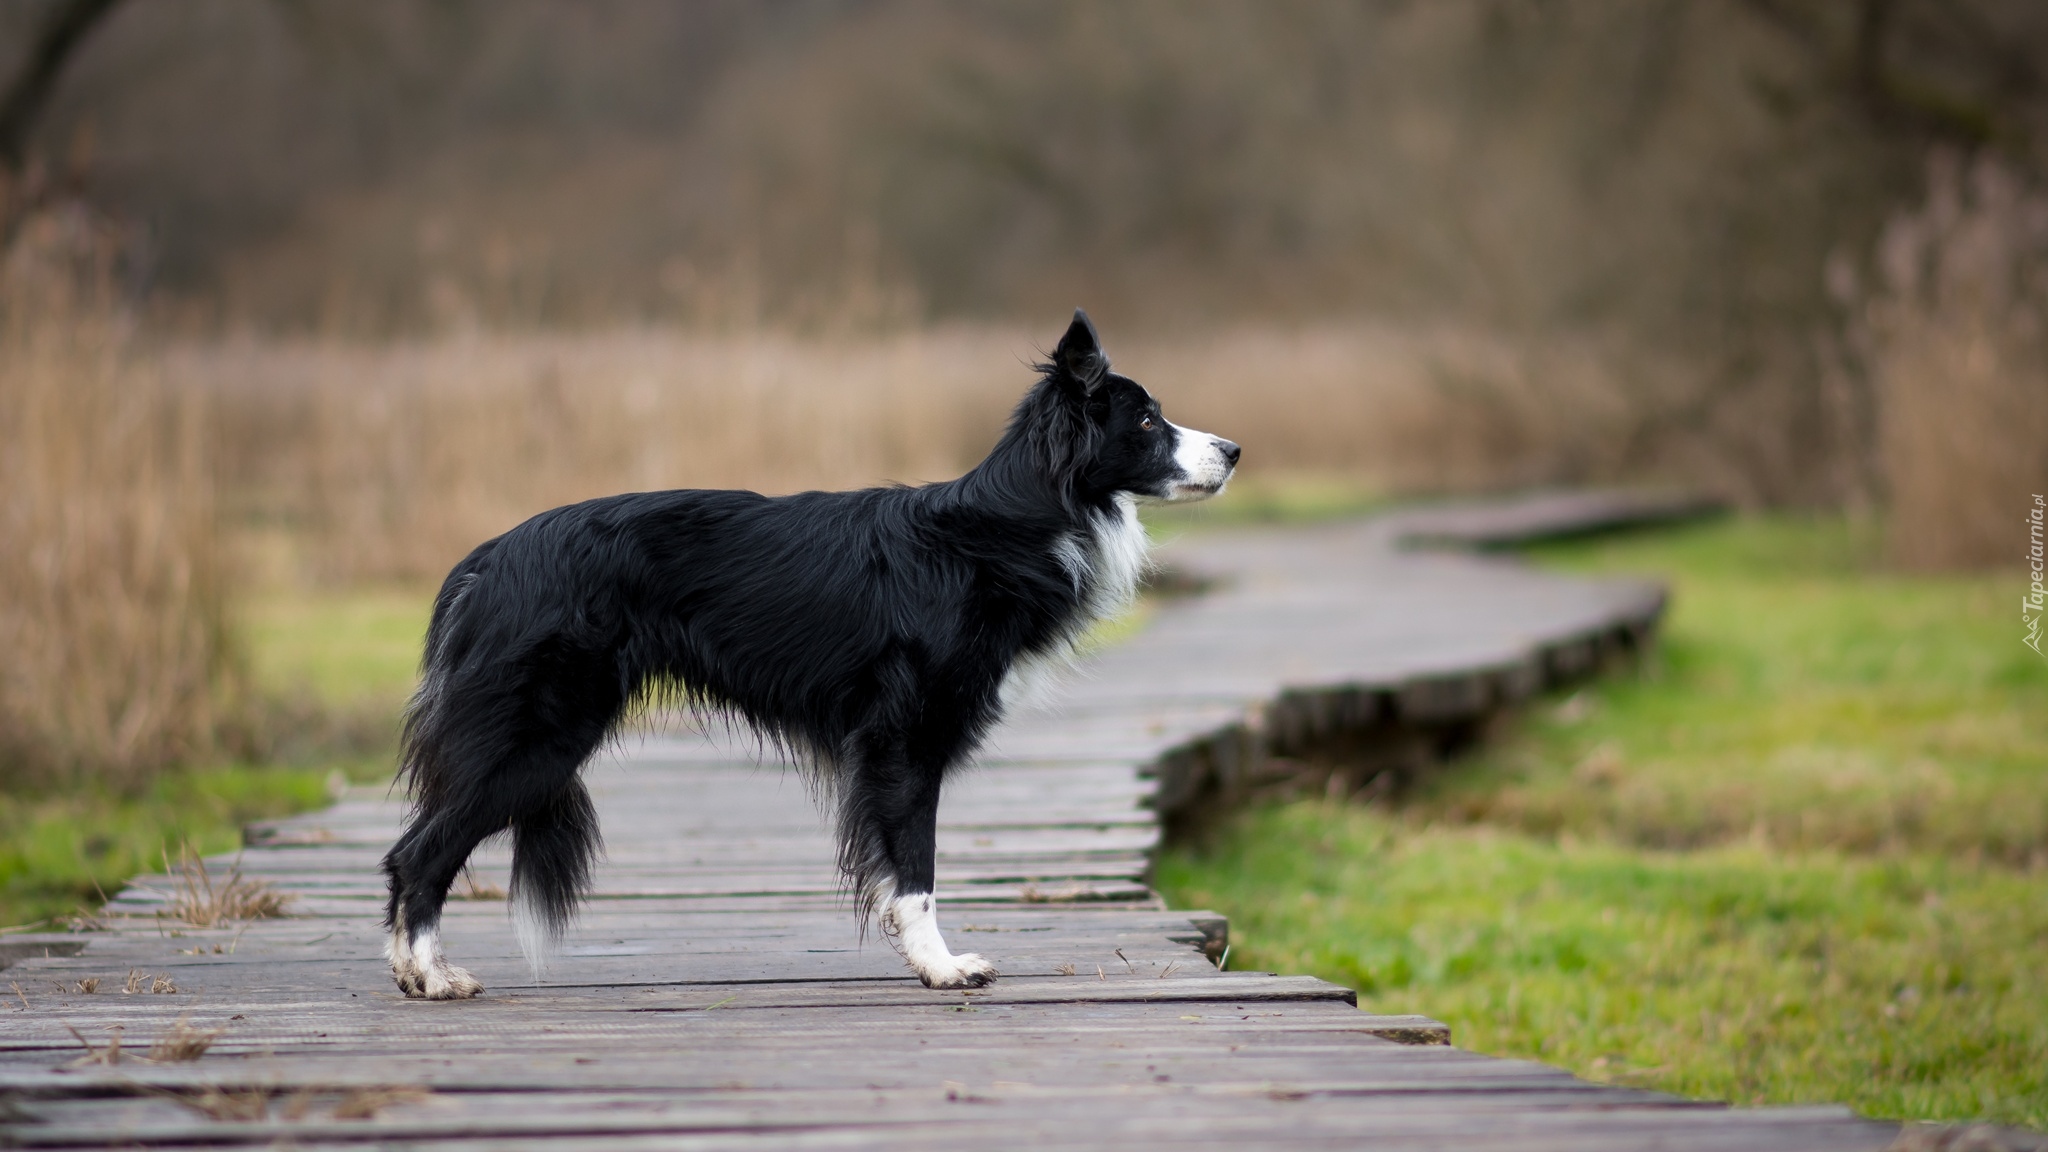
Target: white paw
(444, 981)
(966, 970)
(404, 972)
(912, 924)
(409, 980)
(422, 973)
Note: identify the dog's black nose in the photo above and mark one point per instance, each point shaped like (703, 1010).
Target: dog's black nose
(1230, 452)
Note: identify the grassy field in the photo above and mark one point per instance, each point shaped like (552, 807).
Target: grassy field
(59, 853)
(349, 650)
(332, 659)
(1802, 856)
(1803, 700)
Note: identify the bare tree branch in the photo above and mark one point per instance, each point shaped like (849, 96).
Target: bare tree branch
(59, 37)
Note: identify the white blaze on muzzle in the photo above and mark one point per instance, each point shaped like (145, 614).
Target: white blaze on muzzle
(1204, 468)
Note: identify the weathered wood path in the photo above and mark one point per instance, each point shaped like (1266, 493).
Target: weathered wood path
(717, 994)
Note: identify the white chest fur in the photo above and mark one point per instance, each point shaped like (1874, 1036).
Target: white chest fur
(1105, 563)
(1117, 551)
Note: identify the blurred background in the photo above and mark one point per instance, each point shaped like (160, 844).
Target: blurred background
(301, 299)
(313, 294)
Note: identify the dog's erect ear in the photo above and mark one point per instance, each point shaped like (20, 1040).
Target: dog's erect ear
(1079, 357)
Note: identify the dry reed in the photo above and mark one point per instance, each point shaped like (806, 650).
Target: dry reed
(110, 600)
(394, 461)
(391, 461)
(1957, 342)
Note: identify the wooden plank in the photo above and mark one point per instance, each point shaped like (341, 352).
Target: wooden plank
(1242, 1113)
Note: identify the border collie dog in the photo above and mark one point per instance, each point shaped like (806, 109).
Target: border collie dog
(874, 634)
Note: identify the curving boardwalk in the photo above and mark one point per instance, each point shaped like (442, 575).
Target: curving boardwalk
(716, 993)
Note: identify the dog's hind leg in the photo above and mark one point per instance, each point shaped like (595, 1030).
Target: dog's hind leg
(421, 867)
(554, 845)
(522, 777)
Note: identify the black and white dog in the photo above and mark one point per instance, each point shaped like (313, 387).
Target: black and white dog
(875, 634)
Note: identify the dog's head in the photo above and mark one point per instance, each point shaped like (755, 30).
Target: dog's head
(1115, 438)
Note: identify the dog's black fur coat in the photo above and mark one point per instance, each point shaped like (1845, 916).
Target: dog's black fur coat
(869, 632)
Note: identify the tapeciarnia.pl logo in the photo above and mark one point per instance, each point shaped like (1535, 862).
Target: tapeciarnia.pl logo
(2032, 603)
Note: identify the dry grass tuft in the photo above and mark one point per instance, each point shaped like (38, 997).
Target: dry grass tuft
(86, 921)
(87, 986)
(108, 1054)
(365, 1103)
(202, 903)
(227, 1105)
(110, 598)
(181, 1042)
(468, 887)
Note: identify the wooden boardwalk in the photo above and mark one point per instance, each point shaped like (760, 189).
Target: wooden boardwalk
(717, 994)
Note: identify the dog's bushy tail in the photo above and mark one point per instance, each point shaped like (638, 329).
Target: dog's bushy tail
(554, 850)
(427, 767)
(424, 756)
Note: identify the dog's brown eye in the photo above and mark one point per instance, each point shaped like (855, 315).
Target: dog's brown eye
(1145, 423)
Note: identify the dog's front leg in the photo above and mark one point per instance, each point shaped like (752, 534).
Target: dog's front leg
(911, 922)
(909, 908)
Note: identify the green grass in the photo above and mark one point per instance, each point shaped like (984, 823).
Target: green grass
(1801, 697)
(1802, 857)
(337, 660)
(1904, 987)
(342, 648)
(59, 853)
